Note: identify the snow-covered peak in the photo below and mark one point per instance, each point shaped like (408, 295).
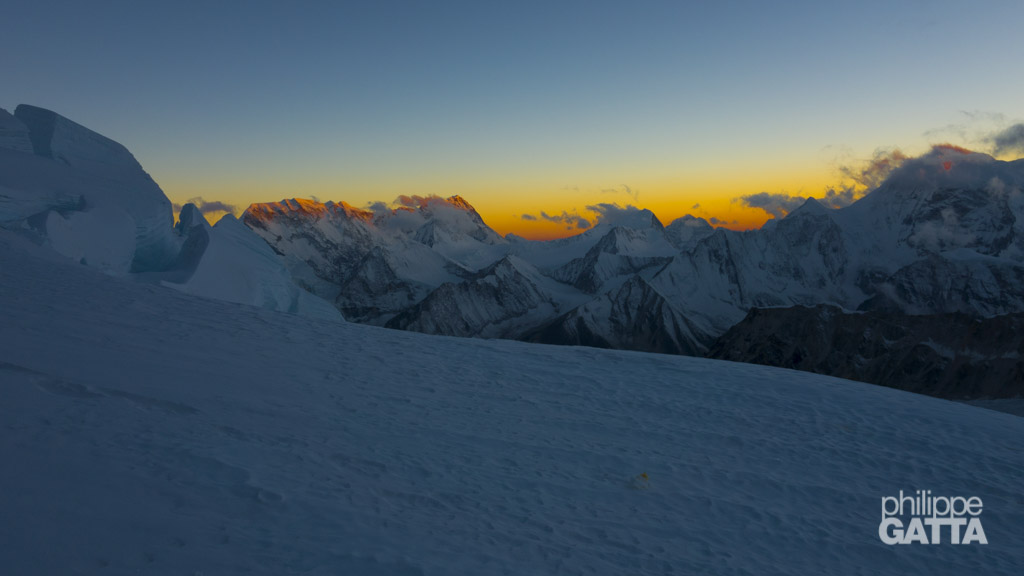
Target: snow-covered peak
(429, 220)
(460, 203)
(634, 242)
(690, 221)
(508, 265)
(947, 166)
(685, 232)
(810, 207)
(947, 199)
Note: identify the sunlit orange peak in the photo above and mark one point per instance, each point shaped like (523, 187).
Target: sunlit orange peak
(306, 207)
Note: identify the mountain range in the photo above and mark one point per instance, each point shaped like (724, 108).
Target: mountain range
(942, 235)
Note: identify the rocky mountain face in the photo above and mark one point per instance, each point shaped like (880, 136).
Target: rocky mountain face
(952, 356)
(634, 316)
(376, 264)
(499, 301)
(433, 265)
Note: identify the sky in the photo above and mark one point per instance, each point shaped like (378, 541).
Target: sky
(527, 109)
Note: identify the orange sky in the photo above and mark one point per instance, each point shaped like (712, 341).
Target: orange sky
(708, 192)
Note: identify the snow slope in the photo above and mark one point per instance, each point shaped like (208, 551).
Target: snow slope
(148, 431)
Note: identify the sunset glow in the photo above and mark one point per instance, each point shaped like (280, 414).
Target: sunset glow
(524, 109)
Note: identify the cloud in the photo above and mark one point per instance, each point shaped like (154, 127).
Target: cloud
(984, 131)
(936, 236)
(840, 198)
(1000, 190)
(433, 204)
(572, 220)
(716, 222)
(529, 217)
(857, 178)
(623, 189)
(407, 213)
(608, 210)
(695, 206)
(634, 193)
(868, 175)
(615, 215)
(207, 206)
(977, 125)
(1008, 141)
(776, 204)
(378, 207)
(416, 201)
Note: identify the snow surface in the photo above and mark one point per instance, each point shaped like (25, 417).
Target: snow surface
(148, 431)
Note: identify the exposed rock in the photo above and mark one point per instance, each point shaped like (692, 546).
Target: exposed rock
(947, 355)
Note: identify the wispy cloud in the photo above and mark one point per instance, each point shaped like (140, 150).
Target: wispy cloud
(778, 204)
(840, 198)
(529, 217)
(973, 127)
(983, 131)
(1008, 141)
(417, 201)
(869, 174)
(856, 180)
(610, 212)
(570, 220)
(623, 189)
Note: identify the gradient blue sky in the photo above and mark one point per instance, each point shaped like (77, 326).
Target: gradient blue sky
(518, 106)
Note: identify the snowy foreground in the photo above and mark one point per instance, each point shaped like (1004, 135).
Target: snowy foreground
(148, 431)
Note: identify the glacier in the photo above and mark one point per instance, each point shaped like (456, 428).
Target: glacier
(87, 198)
